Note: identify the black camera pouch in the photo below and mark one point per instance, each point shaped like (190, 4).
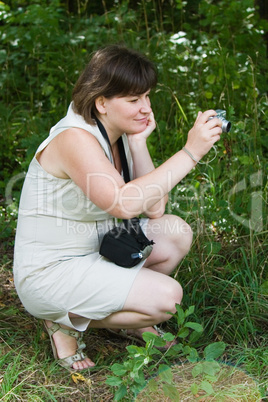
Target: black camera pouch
(126, 247)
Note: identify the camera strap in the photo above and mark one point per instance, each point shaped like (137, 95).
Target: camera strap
(132, 225)
(121, 150)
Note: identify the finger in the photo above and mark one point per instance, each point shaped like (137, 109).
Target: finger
(206, 115)
(213, 123)
(216, 138)
(151, 120)
(216, 131)
(198, 115)
(151, 117)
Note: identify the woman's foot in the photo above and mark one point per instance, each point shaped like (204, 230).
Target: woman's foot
(66, 346)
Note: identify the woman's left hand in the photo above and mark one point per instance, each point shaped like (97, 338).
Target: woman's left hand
(151, 125)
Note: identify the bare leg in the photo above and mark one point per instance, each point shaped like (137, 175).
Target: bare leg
(151, 296)
(173, 239)
(153, 293)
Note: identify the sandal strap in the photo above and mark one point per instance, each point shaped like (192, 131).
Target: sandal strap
(160, 331)
(81, 346)
(67, 362)
(71, 332)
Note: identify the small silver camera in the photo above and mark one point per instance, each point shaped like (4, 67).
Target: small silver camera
(226, 125)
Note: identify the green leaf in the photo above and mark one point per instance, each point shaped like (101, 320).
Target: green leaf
(133, 350)
(168, 337)
(246, 159)
(180, 315)
(208, 94)
(194, 389)
(211, 378)
(174, 350)
(264, 288)
(193, 356)
(195, 326)
(194, 336)
(212, 247)
(189, 311)
(118, 369)
(211, 78)
(207, 387)
(171, 392)
(113, 381)
(211, 368)
(183, 332)
(186, 349)
(139, 378)
(138, 362)
(149, 336)
(152, 385)
(165, 373)
(160, 342)
(214, 350)
(197, 370)
(120, 393)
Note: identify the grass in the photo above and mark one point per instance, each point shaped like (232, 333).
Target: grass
(229, 304)
(230, 384)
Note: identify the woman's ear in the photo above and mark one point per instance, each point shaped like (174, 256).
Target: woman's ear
(100, 105)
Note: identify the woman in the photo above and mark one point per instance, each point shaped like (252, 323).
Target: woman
(74, 192)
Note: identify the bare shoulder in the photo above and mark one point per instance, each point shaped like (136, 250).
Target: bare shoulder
(75, 139)
(65, 145)
(77, 155)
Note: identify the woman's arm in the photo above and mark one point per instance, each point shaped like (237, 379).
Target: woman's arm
(80, 157)
(143, 164)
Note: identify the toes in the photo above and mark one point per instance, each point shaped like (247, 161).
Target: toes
(83, 364)
(89, 362)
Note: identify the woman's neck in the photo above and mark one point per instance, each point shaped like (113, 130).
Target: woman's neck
(111, 133)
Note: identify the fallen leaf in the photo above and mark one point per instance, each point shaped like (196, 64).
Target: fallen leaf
(76, 377)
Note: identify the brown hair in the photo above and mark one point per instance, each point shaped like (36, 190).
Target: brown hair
(112, 71)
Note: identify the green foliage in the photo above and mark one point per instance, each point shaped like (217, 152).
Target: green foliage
(8, 218)
(130, 377)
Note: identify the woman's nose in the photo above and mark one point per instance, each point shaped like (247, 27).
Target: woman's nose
(146, 106)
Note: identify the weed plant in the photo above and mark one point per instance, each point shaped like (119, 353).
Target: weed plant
(209, 55)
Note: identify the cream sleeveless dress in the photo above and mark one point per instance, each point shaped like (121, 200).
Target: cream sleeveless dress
(57, 266)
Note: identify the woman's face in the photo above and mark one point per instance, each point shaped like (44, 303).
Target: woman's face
(127, 114)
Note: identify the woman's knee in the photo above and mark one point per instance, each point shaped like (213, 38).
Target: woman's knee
(187, 238)
(175, 294)
(180, 234)
(154, 294)
(170, 296)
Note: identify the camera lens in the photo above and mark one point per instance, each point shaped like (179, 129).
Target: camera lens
(226, 126)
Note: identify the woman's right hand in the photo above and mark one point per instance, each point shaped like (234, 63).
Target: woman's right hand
(203, 134)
